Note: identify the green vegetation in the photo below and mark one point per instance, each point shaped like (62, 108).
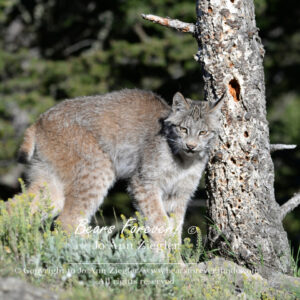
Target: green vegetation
(111, 266)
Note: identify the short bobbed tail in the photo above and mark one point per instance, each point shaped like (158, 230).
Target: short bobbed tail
(27, 148)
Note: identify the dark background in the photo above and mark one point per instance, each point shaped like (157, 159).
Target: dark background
(52, 50)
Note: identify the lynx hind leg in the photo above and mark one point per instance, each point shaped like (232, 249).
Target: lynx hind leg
(85, 193)
(44, 183)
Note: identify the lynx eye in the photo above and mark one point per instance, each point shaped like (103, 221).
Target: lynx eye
(203, 132)
(183, 129)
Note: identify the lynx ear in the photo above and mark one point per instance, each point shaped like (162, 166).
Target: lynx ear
(216, 106)
(180, 103)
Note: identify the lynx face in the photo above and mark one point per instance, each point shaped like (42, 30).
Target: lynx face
(190, 126)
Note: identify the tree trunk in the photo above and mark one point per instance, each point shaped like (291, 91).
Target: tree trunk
(246, 218)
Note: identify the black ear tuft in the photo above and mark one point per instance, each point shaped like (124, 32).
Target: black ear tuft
(180, 103)
(216, 106)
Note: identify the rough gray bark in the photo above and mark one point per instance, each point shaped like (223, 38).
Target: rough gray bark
(240, 178)
(246, 220)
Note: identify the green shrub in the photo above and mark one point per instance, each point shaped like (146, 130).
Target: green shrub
(120, 265)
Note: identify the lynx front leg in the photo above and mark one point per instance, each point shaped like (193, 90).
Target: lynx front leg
(150, 203)
(176, 207)
(176, 202)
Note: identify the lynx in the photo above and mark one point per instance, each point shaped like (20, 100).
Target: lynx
(81, 147)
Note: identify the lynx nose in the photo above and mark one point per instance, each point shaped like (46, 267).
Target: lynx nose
(191, 146)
